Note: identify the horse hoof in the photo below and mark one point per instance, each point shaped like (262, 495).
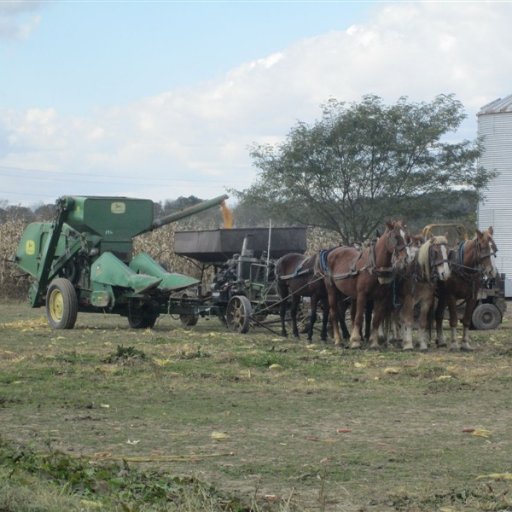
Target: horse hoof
(355, 344)
(454, 348)
(408, 347)
(467, 348)
(441, 344)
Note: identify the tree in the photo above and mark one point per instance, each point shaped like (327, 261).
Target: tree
(365, 162)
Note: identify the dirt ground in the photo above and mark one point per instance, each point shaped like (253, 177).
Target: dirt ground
(291, 425)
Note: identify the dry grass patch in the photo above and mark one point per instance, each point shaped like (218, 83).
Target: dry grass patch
(281, 425)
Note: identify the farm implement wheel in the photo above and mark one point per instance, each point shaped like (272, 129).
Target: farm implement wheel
(189, 319)
(486, 316)
(238, 313)
(143, 317)
(61, 304)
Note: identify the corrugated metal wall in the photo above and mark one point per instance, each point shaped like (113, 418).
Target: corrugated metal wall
(496, 209)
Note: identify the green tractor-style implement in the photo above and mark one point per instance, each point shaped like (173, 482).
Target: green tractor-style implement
(83, 261)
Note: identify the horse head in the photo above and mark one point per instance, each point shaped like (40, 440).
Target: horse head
(485, 248)
(438, 265)
(395, 237)
(414, 242)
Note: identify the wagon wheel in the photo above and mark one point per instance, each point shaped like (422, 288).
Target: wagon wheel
(61, 304)
(142, 317)
(486, 316)
(189, 319)
(238, 313)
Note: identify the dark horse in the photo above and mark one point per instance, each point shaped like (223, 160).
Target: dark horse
(297, 277)
(469, 262)
(365, 275)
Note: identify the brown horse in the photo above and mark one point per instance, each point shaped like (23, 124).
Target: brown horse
(366, 275)
(469, 262)
(297, 277)
(418, 287)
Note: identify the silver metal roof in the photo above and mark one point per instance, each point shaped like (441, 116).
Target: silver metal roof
(497, 106)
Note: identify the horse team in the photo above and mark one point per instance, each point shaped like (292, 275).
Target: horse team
(405, 278)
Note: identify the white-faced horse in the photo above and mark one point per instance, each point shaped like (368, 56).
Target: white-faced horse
(430, 265)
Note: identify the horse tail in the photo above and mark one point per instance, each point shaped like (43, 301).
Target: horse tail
(278, 268)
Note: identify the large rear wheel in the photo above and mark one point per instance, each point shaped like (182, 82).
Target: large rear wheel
(61, 304)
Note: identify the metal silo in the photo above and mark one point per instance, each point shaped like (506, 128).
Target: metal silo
(495, 128)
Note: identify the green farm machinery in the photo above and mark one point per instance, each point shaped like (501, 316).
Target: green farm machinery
(83, 262)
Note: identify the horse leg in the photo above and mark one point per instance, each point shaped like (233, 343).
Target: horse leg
(333, 312)
(282, 311)
(387, 328)
(379, 312)
(383, 333)
(368, 310)
(325, 318)
(396, 326)
(406, 317)
(355, 337)
(425, 308)
(466, 322)
(293, 313)
(342, 311)
(452, 308)
(430, 319)
(439, 317)
(312, 317)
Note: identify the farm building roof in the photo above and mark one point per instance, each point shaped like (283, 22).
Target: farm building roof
(497, 106)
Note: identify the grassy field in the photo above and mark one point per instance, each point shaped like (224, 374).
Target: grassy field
(107, 418)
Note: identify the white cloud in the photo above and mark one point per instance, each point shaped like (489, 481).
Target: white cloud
(16, 19)
(195, 141)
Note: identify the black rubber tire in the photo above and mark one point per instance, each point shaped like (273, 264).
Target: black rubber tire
(189, 320)
(61, 304)
(238, 314)
(142, 322)
(485, 317)
(143, 317)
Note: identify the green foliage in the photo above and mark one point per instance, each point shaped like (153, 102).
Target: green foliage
(114, 482)
(125, 354)
(364, 162)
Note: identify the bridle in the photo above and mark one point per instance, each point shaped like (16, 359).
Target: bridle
(481, 254)
(436, 257)
(433, 253)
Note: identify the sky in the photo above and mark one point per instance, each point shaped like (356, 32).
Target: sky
(162, 99)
